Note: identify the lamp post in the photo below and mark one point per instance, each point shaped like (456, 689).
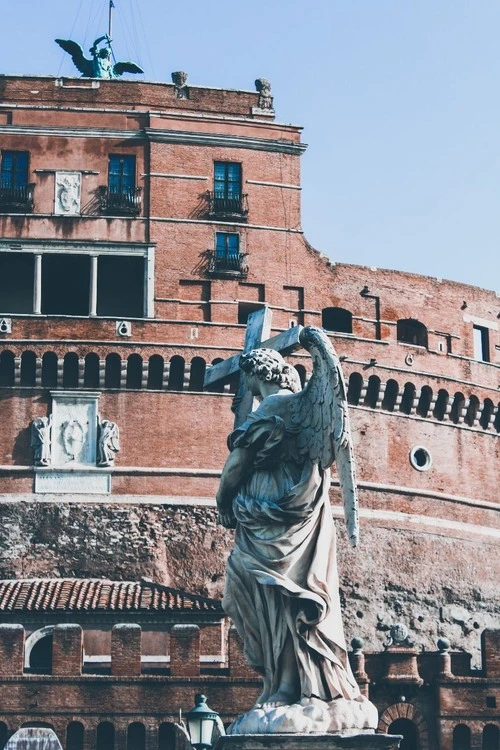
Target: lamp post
(200, 721)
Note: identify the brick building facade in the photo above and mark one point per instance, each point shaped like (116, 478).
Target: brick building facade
(140, 224)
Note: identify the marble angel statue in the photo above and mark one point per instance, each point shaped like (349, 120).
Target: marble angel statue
(282, 589)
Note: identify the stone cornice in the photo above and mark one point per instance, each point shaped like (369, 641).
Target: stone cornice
(227, 140)
(38, 130)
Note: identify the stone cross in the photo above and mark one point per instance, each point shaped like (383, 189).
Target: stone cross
(258, 330)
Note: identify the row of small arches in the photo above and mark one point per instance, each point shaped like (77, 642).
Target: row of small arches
(105, 736)
(70, 371)
(462, 737)
(426, 402)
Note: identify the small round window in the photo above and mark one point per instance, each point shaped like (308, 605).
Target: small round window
(420, 458)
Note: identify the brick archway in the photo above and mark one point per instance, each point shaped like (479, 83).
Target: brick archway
(405, 711)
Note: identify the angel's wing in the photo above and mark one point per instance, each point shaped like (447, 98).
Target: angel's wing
(321, 412)
(84, 65)
(126, 67)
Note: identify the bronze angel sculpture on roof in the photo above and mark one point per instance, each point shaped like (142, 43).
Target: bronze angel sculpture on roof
(101, 64)
(282, 588)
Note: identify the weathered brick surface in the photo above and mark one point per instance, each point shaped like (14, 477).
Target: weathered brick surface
(126, 650)
(185, 651)
(67, 650)
(11, 649)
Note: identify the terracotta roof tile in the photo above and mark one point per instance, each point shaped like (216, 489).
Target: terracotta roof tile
(91, 595)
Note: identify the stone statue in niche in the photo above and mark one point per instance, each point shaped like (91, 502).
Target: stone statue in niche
(40, 441)
(282, 588)
(68, 190)
(263, 86)
(179, 79)
(108, 442)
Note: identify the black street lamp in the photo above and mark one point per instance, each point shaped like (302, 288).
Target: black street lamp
(201, 721)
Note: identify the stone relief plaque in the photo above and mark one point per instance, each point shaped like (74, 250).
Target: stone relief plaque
(74, 482)
(74, 428)
(68, 193)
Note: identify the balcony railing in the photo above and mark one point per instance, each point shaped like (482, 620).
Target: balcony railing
(120, 203)
(18, 199)
(227, 209)
(228, 263)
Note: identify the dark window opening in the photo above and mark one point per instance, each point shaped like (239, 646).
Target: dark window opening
(490, 736)
(481, 344)
(14, 169)
(6, 369)
(136, 736)
(472, 411)
(91, 371)
(245, 309)
(176, 375)
(491, 701)
(4, 734)
(74, 736)
(105, 736)
(227, 200)
(113, 371)
(65, 284)
(486, 414)
(197, 374)
(461, 737)
(49, 370)
(408, 399)
(28, 369)
(40, 661)
(120, 286)
(457, 408)
(70, 370)
(134, 371)
(424, 402)
(336, 319)
(412, 331)
(227, 255)
(121, 197)
(166, 736)
(372, 392)
(17, 272)
(390, 395)
(155, 373)
(441, 404)
(354, 388)
(409, 731)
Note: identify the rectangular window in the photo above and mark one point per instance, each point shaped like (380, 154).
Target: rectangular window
(65, 284)
(120, 286)
(14, 169)
(16, 282)
(227, 179)
(481, 344)
(227, 246)
(121, 174)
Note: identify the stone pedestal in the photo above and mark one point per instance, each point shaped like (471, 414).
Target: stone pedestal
(309, 742)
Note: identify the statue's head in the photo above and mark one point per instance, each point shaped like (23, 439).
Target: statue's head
(104, 53)
(268, 365)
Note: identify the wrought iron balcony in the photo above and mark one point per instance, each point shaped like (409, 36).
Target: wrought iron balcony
(120, 203)
(16, 199)
(227, 209)
(228, 264)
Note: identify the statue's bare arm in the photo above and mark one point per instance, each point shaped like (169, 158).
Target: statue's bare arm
(237, 467)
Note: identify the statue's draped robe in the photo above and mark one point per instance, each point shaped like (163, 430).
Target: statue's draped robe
(282, 573)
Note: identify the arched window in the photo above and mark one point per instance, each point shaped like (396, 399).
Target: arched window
(113, 371)
(40, 655)
(136, 736)
(424, 402)
(472, 410)
(485, 418)
(197, 374)
(155, 373)
(410, 331)
(91, 371)
(28, 369)
(70, 370)
(408, 398)
(490, 737)
(49, 370)
(105, 736)
(301, 372)
(372, 392)
(461, 737)
(390, 395)
(354, 388)
(457, 407)
(441, 404)
(166, 736)
(336, 319)
(176, 377)
(74, 736)
(4, 733)
(409, 731)
(134, 371)
(6, 368)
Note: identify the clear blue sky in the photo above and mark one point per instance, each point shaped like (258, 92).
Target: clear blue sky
(399, 99)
